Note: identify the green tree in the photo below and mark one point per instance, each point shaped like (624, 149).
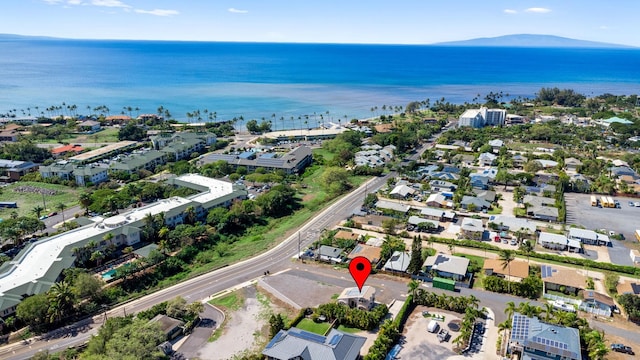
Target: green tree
(61, 301)
(33, 310)
(87, 286)
(37, 210)
(276, 323)
(335, 180)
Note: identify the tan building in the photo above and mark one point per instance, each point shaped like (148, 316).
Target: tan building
(354, 298)
(518, 269)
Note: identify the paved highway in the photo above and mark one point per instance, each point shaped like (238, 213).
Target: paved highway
(201, 287)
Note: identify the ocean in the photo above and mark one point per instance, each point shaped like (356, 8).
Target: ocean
(289, 83)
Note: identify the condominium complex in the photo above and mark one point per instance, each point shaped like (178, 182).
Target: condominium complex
(37, 267)
(478, 118)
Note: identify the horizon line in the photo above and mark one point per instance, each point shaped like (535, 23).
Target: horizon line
(440, 43)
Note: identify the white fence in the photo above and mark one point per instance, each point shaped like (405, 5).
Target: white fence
(566, 300)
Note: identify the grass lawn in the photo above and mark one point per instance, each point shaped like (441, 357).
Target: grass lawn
(478, 259)
(495, 211)
(314, 327)
(28, 200)
(324, 153)
(348, 330)
(105, 135)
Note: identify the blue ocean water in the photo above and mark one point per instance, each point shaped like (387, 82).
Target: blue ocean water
(259, 80)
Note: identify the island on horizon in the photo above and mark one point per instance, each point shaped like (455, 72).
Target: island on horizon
(534, 40)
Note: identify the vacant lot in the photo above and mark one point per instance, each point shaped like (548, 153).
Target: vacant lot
(421, 344)
(31, 194)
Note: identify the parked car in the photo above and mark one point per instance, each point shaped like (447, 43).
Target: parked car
(53, 214)
(43, 217)
(622, 348)
(631, 203)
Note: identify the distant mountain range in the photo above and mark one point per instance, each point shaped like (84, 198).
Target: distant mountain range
(532, 40)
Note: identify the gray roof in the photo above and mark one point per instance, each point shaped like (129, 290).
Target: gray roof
(330, 251)
(551, 238)
(391, 205)
(415, 220)
(447, 263)
(471, 224)
(587, 234)
(513, 223)
(479, 203)
(399, 261)
(295, 343)
(534, 334)
(402, 190)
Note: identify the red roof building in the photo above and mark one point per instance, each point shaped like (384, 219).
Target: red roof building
(71, 148)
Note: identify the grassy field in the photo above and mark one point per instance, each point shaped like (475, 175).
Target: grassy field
(106, 135)
(230, 302)
(314, 327)
(28, 200)
(324, 153)
(348, 330)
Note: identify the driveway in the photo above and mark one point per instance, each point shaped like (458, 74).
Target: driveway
(211, 319)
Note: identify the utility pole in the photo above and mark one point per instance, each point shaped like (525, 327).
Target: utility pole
(44, 203)
(299, 251)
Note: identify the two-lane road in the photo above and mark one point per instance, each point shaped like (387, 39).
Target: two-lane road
(199, 288)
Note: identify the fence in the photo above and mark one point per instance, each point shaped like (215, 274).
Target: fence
(566, 300)
(586, 307)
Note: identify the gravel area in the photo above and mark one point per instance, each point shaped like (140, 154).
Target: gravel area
(300, 291)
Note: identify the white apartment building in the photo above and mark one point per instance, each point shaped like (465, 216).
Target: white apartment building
(478, 118)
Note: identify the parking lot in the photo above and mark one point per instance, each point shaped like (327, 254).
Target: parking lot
(624, 220)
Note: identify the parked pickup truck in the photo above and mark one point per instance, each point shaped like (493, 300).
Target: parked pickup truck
(443, 335)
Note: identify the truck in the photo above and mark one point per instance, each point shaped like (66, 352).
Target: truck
(446, 284)
(594, 201)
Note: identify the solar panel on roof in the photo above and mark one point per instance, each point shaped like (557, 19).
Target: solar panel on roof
(274, 340)
(310, 336)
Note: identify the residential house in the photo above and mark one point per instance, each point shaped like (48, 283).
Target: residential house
(442, 175)
(441, 185)
(489, 172)
(496, 144)
(416, 220)
(580, 182)
(566, 280)
(89, 126)
(487, 159)
(13, 170)
(471, 228)
(479, 181)
(171, 327)
(426, 171)
(589, 237)
(519, 161)
(446, 266)
(392, 205)
(544, 213)
(478, 118)
(437, 201)
(540, 190)
(622, 170)
(401, 192)
(346, 235)
(487, 195)
(437, 214)
(516, 271)
(302, 345)
(540, 207)
(9, 136)
(626, 287)
(474, 202)
(398, 262)
(329, 254)
(597, 301)
(547, 164)
(572, 164)
(364, 299)
(535, 339)
(558, 242)
(117, 119)
(513, 224)
(451, 169)
(464, 160)
(372, 253)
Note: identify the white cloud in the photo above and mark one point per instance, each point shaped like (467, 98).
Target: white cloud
(158, 12)
(74, 2)
(237, 11)
(604, 27)
(110, 3)
(509, 11)
(538, 10)
(53, 2)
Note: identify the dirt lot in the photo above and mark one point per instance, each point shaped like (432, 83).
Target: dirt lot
(421, 344)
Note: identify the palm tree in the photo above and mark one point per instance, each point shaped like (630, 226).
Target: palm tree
(61, 301)
(527, 248)
(507, 256)
(473, 301)
(60, 207)
(85, 201)
(413, 286)
(37, 210)
(549, 311)
(509, 310)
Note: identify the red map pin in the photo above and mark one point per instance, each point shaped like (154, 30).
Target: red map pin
(360, 268)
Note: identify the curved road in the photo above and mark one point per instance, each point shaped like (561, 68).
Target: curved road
(201, 287)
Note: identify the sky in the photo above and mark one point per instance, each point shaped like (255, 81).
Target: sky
(325, 21)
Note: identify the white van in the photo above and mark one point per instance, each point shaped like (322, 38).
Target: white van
(433, 326)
